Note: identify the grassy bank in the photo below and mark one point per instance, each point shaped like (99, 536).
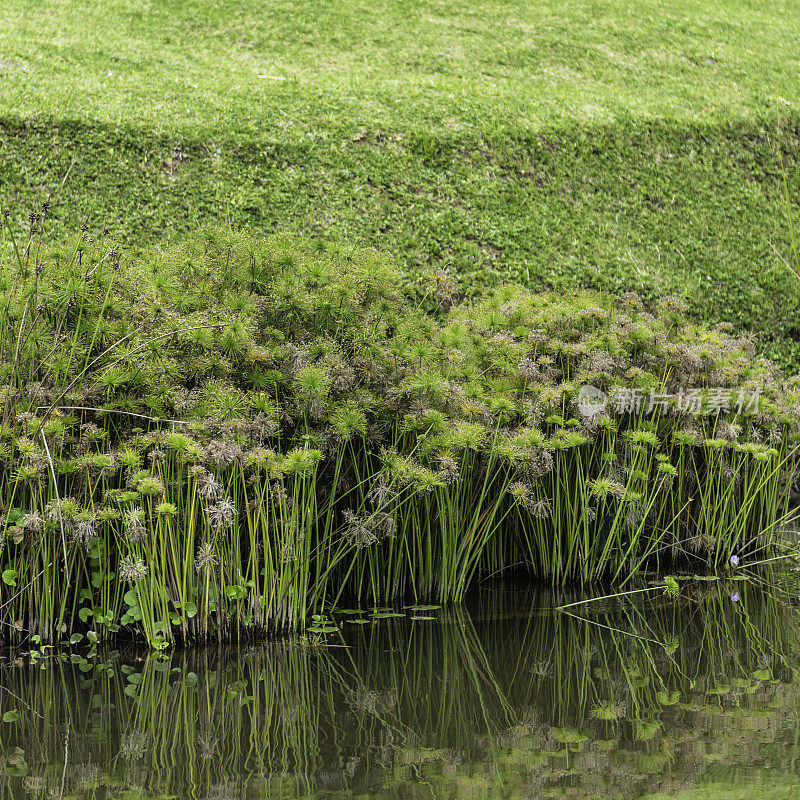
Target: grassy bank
(602, 146)
(657, 208)
(231, 435)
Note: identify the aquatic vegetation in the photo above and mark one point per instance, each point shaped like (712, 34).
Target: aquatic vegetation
(507, 700)
(229, 436)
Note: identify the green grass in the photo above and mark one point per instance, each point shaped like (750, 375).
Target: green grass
(610, 145)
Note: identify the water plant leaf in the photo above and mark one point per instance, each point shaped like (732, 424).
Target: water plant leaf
(667, 698)
(15, 517)
(10, 577)
(11, 716)
(720, 689)
(421, 608)
(567, 736)
(645, 731)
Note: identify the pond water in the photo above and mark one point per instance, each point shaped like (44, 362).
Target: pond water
(503, 697)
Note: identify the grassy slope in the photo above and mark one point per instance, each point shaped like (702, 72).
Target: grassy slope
(615, 144)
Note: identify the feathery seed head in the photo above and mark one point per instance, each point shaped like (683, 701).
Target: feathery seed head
(132, 569)
(206, 559)
(222, 515)
(33, 522)
(135, 530)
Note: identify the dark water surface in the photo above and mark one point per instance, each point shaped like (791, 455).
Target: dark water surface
(647, 697)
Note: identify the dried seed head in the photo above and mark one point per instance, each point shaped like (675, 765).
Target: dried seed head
(528, 370)
(154, 456)
(133, 745)
(384, 523)
(279, 495)
(206, 558)
(729, 431)
(288, 554)
(85, 532)
(134, 525)
(184, 400)
(33, 522)
(132, 569)
(208, 487)
(262, 427)
(359, 533)
(222, 515)
(220, 453)
(381, 493)
(448, 468)
(541, 509)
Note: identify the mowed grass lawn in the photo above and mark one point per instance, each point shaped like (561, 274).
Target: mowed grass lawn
(617, 145)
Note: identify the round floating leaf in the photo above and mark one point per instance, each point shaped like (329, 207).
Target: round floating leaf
(11, 716)
(322, 629)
